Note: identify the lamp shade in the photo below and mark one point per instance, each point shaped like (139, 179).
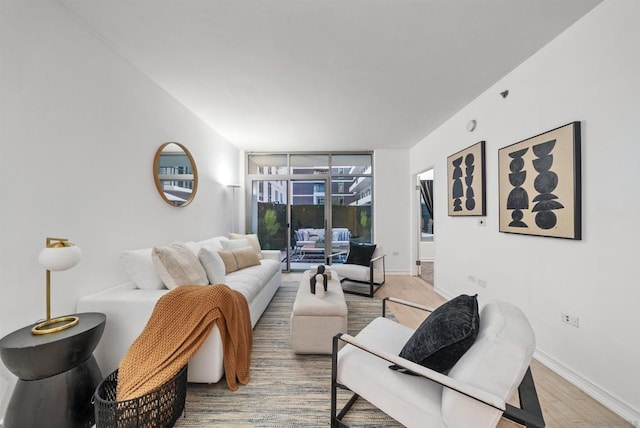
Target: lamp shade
(57, 258)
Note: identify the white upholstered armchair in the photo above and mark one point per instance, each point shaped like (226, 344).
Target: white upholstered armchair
(473, 393)
(367, 269)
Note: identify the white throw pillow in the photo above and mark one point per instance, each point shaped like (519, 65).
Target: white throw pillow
(139, 265)
(177, 265)
(253, 241)
(213, 265)
(234, 244)
(193, 246)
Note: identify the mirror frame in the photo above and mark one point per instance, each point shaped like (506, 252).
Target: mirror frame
(156, 176)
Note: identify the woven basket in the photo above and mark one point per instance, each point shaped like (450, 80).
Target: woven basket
(159, 408)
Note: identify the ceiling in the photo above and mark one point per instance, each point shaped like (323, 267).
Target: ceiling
(326, 74)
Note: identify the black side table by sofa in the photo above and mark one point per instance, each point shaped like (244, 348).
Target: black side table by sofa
(57, 374)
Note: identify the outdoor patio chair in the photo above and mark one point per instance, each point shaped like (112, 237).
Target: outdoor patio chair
(364, 265)
(473, 393)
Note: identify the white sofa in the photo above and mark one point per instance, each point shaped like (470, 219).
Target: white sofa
(128, 308)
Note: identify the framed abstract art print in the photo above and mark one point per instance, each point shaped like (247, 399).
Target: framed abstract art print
(466, 182)
(540, 184)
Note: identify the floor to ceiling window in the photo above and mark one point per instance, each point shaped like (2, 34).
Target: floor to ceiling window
(310, 206)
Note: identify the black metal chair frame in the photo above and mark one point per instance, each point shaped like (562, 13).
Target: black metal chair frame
(529, 414)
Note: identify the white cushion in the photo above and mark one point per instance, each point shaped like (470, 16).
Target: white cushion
(234, 244)
(139, 265)
(249, 281)
(178, 265)
(496, 363)
(349, 271)
(411, 400)
(212, 264)
(193, 246)
(252, 238)
(362, 273)
(214, 243)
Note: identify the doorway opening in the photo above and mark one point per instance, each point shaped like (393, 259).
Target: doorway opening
(426, 226)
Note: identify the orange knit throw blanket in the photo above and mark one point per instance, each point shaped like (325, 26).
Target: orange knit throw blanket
(179, 324)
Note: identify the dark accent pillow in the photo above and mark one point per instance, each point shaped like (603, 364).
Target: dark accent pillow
(360, 254)
(444, 336)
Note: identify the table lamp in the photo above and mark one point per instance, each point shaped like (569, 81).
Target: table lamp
(58, 255)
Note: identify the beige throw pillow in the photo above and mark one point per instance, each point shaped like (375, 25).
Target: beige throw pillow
(177, 265)
(253, 241)
(246, 257)
(238, 259)
(230, 263)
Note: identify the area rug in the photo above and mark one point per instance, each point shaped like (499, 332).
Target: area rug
(285, 390)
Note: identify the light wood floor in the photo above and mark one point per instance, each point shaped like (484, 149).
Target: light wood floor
(563, 405)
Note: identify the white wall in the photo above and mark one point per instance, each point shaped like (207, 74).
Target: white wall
(79, 130)
(589, 73)
(392, 205)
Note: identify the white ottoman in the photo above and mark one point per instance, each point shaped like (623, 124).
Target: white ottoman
(315, 320)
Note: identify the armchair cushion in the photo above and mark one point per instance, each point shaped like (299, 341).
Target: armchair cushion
(445, 335)
(360, 254)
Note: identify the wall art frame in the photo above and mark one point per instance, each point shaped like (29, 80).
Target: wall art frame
(466, 182)
(540, 184)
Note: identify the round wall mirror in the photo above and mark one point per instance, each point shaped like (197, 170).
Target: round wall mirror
(175, 174)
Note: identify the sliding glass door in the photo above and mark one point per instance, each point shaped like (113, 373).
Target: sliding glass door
(316, 206)
(308, 221)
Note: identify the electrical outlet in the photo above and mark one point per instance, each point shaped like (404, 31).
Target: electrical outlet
(570, 319)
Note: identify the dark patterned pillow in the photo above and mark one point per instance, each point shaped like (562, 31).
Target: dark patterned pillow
(360, 254)
(444, 336)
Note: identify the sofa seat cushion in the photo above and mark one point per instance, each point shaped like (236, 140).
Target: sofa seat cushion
(249, 281)
(415, 398)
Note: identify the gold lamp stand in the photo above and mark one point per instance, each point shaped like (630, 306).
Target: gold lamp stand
(59, 254)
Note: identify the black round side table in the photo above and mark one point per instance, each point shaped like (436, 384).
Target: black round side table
(57, 374)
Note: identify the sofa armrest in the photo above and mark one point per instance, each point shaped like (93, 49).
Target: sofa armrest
(271, 255)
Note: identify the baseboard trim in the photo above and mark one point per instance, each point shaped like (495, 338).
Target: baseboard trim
(594, 391)
(397, 273)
